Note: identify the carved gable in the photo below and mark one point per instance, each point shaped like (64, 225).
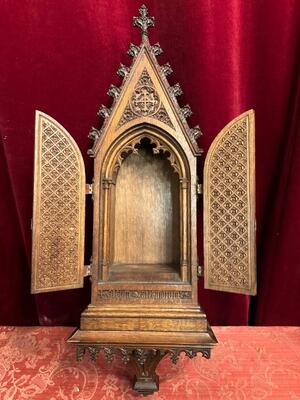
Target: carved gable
(146, 102)
(145, 96)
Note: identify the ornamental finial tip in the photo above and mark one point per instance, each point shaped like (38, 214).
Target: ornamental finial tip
(143, 21)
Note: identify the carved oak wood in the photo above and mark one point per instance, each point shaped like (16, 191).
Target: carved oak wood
(58, 209)
(229, 209)
(144, 266)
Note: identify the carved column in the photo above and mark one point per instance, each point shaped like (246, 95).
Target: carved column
(184, 185)
(107, 185)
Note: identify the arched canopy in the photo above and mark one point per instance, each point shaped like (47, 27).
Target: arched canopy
(129, 142)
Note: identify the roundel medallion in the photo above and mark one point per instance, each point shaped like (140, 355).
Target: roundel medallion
(144, 101)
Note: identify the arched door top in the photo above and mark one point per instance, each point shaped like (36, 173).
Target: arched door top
(130, 142)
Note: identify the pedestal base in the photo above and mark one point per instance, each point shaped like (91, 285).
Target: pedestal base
(144, 337)
(144, 358)
(146, 386)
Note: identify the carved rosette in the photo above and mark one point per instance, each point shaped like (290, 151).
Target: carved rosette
(145, 102)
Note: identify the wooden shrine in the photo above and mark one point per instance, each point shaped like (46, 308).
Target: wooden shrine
(144, 268)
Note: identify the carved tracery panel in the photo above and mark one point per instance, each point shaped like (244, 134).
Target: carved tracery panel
(145, 102)
(58, 215)
(157, 147)
(229, 218)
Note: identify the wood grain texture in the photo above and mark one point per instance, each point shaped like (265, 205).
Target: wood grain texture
(146, 211)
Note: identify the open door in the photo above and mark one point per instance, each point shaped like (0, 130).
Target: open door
(229, 209)
(58, 209)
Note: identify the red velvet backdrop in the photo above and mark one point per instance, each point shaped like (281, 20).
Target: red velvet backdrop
(60, 57)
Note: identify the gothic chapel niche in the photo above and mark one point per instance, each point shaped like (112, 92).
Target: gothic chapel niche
(145, 239)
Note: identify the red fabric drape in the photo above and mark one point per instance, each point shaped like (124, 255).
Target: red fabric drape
(60, 57)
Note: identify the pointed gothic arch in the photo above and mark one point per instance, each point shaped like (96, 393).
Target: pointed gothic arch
(161, 144)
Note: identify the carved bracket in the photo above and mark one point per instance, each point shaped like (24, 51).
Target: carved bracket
(144, 360)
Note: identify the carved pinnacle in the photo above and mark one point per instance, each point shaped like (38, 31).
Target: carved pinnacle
(113, 91)
(133, 50)
(104, 112)
(186, 111)
(156, 49)
(123, 70)
(166, 69)
(176, 90)
(195, 132)
(144, 21)
(94, 134)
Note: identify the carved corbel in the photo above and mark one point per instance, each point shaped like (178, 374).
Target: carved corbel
(144, 360)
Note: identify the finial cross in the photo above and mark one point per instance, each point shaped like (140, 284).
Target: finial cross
(143, 21)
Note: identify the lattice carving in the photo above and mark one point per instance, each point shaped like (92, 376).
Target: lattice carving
(58, 210)
(145, 102)
(229, 209)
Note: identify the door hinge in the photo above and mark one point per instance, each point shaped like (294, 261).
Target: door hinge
(199, 271)
(89, 188)
(199, 188)
(88, 270)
